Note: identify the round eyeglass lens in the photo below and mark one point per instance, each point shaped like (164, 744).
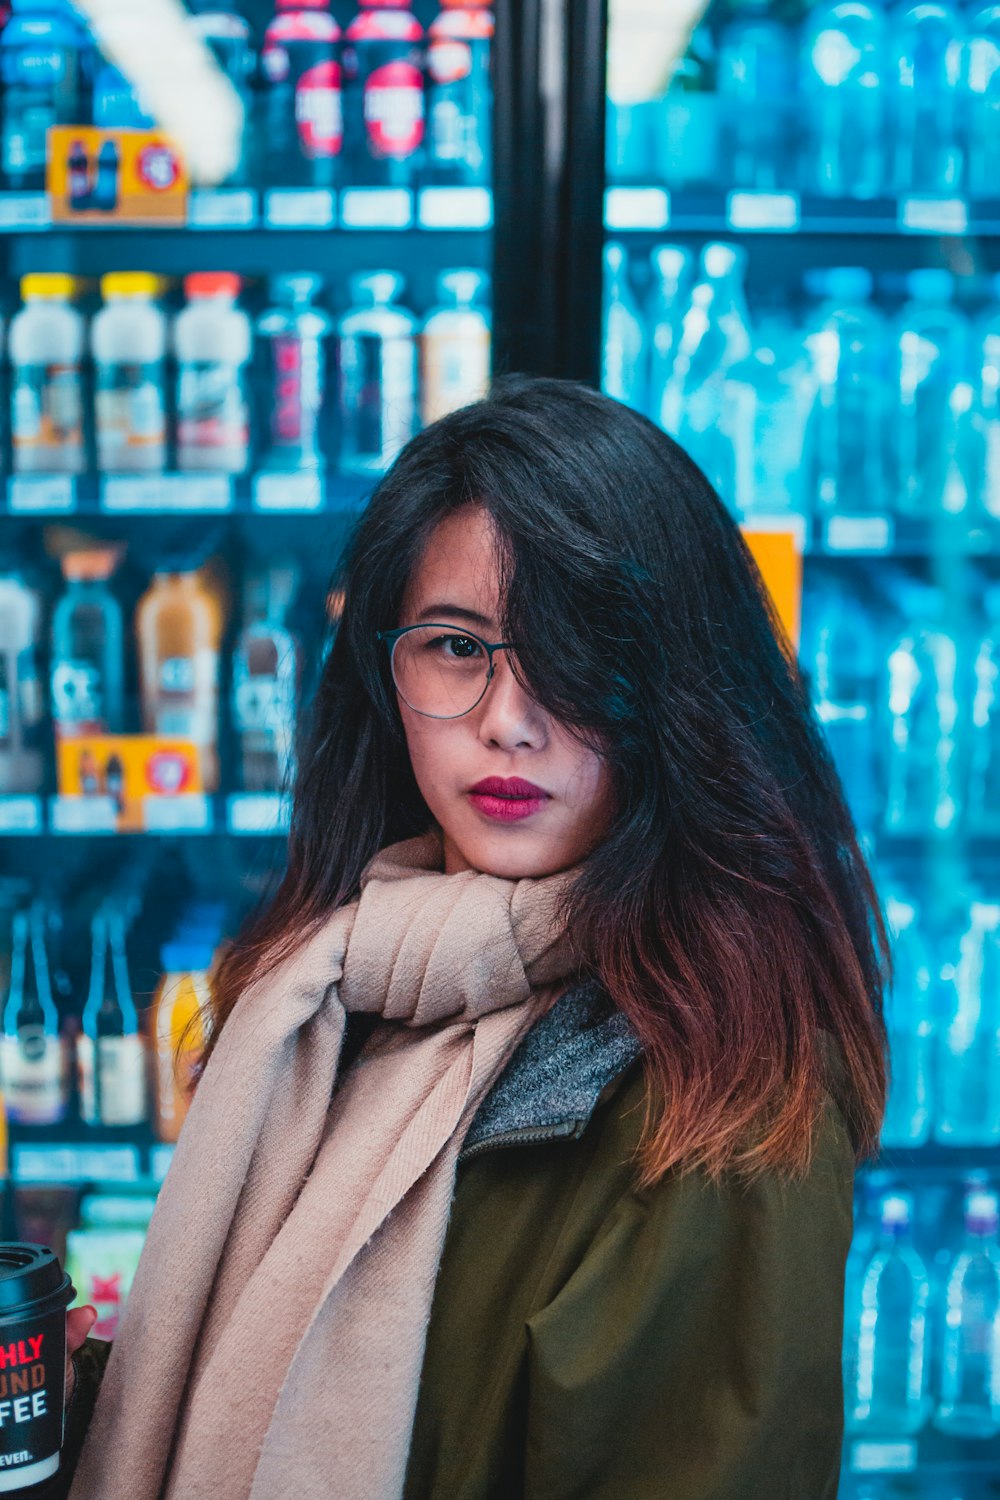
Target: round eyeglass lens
(440, 672)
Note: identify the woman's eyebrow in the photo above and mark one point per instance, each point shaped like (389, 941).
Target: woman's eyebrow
(432, 611)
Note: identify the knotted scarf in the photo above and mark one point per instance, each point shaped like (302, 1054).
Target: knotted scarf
(273, 1338)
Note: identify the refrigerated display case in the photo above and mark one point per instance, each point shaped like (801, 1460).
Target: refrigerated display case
(201, 383)
(801, 212)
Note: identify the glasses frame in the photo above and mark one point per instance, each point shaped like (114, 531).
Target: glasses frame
(392, 637)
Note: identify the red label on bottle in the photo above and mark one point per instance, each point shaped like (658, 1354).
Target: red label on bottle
(394, 109)
(287, 413)
(318, 111)
(448, 62)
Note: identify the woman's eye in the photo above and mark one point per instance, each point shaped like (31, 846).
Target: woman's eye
(459, 647)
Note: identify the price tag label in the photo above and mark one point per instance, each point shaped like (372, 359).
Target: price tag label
(24, 211)
(859, 534)
(376, 208)
(768, 211)
(883, 1458)
(259, 812)
(933, 215)
(84, 814)
(71, 1163)
(222, 208)
(455, 208)
(20, 814)
(187, 812)
(299, 208)
(303, 489)
(121, 493)
(41, 494)
(636, 208)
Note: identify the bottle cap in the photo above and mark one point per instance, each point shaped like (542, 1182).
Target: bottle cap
(931, 285)
(378, 286)
(212, 284)
(843, 283)
(895, 1211)
(91, 564)
(721, 258)
(670, 261)
(55, 284)
(129, 284)
(303, 5)
(981, 1213)
(464, 285)
(295, 286)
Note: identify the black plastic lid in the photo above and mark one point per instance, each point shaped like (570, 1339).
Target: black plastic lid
(28, 1273)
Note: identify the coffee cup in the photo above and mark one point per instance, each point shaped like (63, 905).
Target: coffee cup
(34, 1295)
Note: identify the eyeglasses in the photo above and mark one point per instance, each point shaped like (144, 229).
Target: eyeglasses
(438, 670)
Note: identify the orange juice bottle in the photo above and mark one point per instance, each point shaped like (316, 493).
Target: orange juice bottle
(178, 1029)
(179, 622)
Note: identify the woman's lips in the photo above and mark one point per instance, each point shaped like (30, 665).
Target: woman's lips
(506, 809)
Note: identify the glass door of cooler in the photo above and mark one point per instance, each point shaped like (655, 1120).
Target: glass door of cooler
(202, 381)
(800, 283)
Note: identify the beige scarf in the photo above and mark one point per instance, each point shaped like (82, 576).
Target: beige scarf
(273, 1339)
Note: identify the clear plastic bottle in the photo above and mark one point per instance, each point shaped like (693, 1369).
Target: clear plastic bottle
(769, 397)
(179, 1022)
(88, 647)
(46, 353)
(664, 318)
(33, 1056)
(887, 1329)
(847, 340)
(842, 86)
(623, 352)
(842, 653)
(128, 339)
(459, 95)
(983, 803)
(212, 342)
(923, 734)
(935, 447)
(294, 335)
(970, 1360)
(715, 337)
(986, 405)
(757, 78)
(910, 1019)
(40, 54)
(983, 106)
(928, 63)
(969, 1036)
(684, 123)
(111, 1050)
(22, 702)
(266, 670)
(455, 345)
(378, 374)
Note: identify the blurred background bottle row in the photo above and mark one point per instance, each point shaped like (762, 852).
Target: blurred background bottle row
(847, 99)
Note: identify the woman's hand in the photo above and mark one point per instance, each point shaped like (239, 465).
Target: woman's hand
(79, 1322)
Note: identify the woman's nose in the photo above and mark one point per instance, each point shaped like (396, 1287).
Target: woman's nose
(508, 716)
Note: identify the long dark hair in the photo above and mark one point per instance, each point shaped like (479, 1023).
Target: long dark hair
(729, 913)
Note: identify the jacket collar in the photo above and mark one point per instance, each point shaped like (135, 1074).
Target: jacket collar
(557, 1075)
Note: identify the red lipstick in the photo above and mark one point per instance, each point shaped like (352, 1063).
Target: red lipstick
(507, 799)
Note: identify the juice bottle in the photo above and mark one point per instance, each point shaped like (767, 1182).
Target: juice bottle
(22, 761)
(455, 346)
(128, 338)
(383, 85)
(179, 1015)
(88, 647)
(46, 353)
(302, 120)
(179, 623)
(459, 95)
(212, 341)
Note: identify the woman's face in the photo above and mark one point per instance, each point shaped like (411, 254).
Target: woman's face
(506, 737)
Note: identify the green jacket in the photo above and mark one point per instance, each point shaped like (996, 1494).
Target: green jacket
(588, 1341)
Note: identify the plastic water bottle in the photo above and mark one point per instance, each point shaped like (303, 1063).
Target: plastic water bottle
(983, 806)
(378, 374)
(923, 774)
(623, 360)
(983, 103)
(935, 466)
(664, 316)
(843, 70)
(927, 47)
(887, 1384)
(986, 347)
(715, 336)
(910, 1023)
(847, 341)
(842, 656)
(969, 1038)
(684, 123)
(769, 396)
(757, 74)
(293, 336)
(40, 55)
(970, 1361)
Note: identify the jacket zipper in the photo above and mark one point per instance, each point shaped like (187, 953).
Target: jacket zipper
(526, 1135)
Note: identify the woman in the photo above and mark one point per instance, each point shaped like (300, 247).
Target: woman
(572, 870)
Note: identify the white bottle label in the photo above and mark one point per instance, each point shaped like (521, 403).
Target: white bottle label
(119, 1097)
(33, 1077)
